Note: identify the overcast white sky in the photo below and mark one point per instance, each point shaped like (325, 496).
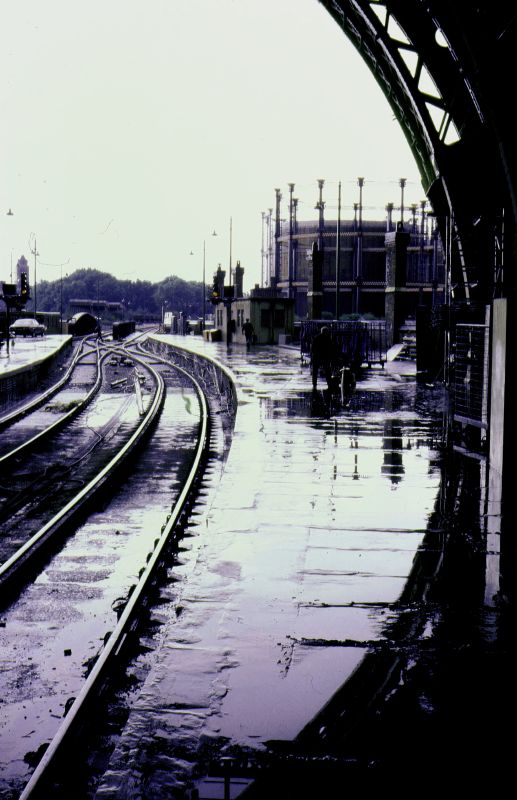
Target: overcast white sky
(132, 129)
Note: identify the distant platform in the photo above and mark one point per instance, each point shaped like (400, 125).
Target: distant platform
(27, 353)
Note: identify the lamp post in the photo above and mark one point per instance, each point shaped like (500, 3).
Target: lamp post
(8, 299)
(269, 246)
(402, 184)
(320, 206)
(278, 194)
(290, 253)
(231, 280)
(35, 254)
(204, 287)
(61, 299)
(359, 251)
(11, 214)
(63, 264)
(214, 233)
(338, 248)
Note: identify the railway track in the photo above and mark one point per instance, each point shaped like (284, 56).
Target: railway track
(83, 348)
(60, 411)
(50, 476)
(66, 632)
(22, 409)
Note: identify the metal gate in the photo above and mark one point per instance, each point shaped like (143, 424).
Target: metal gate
(359, 342)
(470, 375)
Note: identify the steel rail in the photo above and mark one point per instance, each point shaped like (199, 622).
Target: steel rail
(59, 423)
(11, 568)
(18, 413)
(207, 369)
(116, 640)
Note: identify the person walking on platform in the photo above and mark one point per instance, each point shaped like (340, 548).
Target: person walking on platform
(321, 357)
(248, 331)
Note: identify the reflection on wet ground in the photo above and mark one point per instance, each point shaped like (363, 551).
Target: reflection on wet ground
(456, 698)
(329, 615)
(444, 672)
(425, 402)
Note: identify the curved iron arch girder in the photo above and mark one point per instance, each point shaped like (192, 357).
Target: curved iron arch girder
(366, 34)
(464, 180)
(469, 50)
(412, 105)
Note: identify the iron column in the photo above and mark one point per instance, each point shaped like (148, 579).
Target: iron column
(402, 184)
(320, 205)
(338, 247)
(204, 287)
(277, 235)
(290, 254)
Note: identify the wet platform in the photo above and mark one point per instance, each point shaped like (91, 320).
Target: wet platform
(29, 365)
(293, 570)
(25, 353)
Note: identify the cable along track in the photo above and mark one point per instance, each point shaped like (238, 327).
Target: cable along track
(128, 607)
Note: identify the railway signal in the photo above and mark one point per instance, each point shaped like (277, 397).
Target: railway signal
(24, 287)
(11, 300)
(215, 296)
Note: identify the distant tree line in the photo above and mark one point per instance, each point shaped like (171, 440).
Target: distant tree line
(140, 298)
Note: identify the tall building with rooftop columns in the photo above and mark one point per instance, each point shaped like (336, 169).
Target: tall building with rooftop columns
(355, 274)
